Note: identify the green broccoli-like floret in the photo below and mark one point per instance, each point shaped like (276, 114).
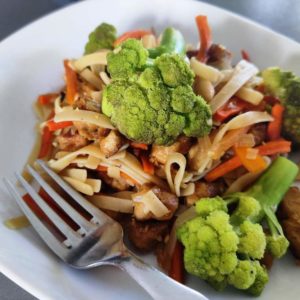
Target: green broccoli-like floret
(286, 86)
(210, 246)
(243, 276)
(207, 205)
(174, 70)
(277, 243)
(102, 37)
(247, 207)
(224, 242)
(124, 62)
(141, 103)
(275, 80)
(261, 279)
(252, 240)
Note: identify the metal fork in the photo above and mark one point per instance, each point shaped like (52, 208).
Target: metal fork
(97, 242)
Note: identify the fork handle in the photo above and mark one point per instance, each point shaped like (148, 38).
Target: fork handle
(156, 283)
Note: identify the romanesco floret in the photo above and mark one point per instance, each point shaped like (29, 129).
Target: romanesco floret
(174, 71)
(102, 37)
(243, 276)
(124, 62)
(260, 281)
(210, 246)
(223, 252)
(252, 240)
(277, 245)
(207, 205)
(153, 102)
(247, 208)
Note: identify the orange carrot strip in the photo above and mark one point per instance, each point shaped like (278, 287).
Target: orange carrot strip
(270, 148)
(223, 169)
(46, 142)
(47, 98)
(139, 146)
(274, 127)
(147, 165)
(135, 34)
(71, 83)
(53, 126)
(177, 267)
(252, 165)
(275, 147)
(204, 36)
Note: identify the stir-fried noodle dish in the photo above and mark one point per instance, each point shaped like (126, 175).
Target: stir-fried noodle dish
(185, 146)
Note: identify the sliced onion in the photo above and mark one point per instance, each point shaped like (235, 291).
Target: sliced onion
(105, 78)
(91, 78)
(243, 120)
(97, 58)
(185, 216)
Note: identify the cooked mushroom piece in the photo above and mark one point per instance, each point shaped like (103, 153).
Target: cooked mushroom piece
(145, 236)
(163, 201)
(219, 57)
(289, 215)
(204, 189)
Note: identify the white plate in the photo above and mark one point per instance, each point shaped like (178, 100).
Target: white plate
(31, 64)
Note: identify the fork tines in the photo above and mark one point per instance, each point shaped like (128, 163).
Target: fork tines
(73, 236)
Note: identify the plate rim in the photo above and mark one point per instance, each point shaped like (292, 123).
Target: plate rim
(13, 275)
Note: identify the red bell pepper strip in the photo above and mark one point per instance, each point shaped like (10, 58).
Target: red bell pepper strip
(46, 142)
(47, 98)
(245, 55)
(230, 109)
